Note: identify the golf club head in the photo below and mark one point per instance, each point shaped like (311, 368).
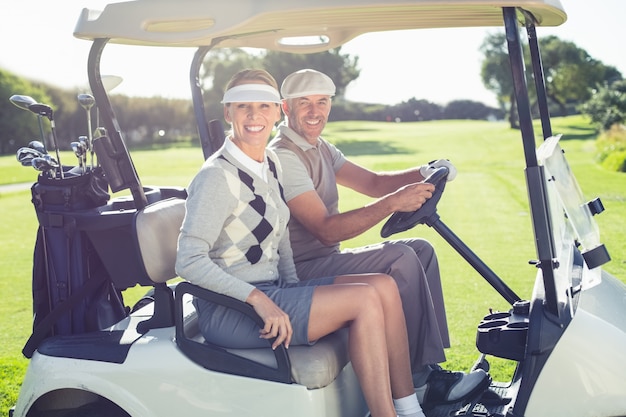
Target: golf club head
(42, 164)
(99, 132)
(25, 155)
(53, 162)
(86, 101)
(23, 102)
(41, 110)
(77, 148)
(84, 144)
(27, 160)
(38, 146)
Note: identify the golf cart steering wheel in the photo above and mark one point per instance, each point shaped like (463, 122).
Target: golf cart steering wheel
(401, 221)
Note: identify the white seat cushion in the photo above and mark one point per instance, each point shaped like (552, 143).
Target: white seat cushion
(312, 366)
(157, 227)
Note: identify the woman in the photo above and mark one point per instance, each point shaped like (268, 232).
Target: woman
(234, 241)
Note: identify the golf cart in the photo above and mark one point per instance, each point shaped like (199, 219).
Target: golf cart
(90, 356)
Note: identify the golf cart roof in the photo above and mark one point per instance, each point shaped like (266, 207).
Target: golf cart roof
(276, 24)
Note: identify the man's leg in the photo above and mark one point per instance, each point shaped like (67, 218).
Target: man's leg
(401, 262)
(428, 258)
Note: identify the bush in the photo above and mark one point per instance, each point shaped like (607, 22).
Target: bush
(611, 147)
(607, 105)
(615, 162)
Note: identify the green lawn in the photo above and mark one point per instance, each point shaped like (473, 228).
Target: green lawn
(486, 206)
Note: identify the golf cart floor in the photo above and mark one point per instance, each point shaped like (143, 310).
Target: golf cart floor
(494, 402)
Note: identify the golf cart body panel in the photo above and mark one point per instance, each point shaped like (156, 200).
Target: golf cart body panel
(157, 380)
(582, 376)
(575, 314)
(270, 24)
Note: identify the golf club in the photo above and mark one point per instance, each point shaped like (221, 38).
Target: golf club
(78, 151)
(87, 101)
(38, 146)
(25, 155)
(47, 165)
(23, 102)
(45, 110)
(83, 142)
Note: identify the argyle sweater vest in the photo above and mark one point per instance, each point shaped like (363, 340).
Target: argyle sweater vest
(248, 240)
(235, 229)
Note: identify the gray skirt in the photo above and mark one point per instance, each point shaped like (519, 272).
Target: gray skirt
(231, 329)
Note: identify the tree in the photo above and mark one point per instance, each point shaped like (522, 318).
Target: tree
(569, 73)
(70, 118)
(17, 126)
(147, 120)
(220, 65)
(415, 110)
(607, 105)
(468, 109)
(341, 68)
(496, 74)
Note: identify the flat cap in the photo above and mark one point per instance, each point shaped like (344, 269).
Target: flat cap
(307, 82)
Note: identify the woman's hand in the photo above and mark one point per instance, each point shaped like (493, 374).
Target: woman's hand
(277, 323)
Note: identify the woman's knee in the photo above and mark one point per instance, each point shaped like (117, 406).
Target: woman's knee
(383, 280)
(387, 287)
(367, 297)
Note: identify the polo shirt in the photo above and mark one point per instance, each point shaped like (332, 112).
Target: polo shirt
(305, 168)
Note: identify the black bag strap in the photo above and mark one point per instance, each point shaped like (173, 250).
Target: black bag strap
(40, 332)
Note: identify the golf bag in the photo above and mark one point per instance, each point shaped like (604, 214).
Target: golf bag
(72, 290)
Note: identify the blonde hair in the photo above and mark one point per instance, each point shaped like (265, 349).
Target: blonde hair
(252, 75)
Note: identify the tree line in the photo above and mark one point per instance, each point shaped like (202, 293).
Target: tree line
(575, 83)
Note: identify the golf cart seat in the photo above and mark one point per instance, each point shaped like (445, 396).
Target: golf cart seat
(156, 229)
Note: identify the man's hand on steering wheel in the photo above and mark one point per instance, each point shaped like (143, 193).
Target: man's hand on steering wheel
(427, 169)
(401, 221)
(411, 197)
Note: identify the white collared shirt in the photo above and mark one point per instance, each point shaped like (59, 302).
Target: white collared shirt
(258, 168)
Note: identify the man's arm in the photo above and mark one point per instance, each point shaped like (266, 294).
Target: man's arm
(375, 184)
(310, 210)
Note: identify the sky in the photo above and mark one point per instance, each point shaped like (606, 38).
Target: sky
(438, 65)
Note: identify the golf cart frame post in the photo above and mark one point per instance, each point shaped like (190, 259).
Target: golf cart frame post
(111, 149)
(535, 178)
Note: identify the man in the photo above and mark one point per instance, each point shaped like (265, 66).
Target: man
(312, 168)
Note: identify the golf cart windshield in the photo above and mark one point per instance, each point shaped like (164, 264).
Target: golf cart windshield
(572, 218)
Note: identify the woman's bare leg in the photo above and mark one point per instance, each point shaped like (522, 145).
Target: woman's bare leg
(395, 328)
(358, 306)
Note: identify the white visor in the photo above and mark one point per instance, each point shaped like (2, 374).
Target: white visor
(251, 93)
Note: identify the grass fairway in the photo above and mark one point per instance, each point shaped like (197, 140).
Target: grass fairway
(486, 206)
